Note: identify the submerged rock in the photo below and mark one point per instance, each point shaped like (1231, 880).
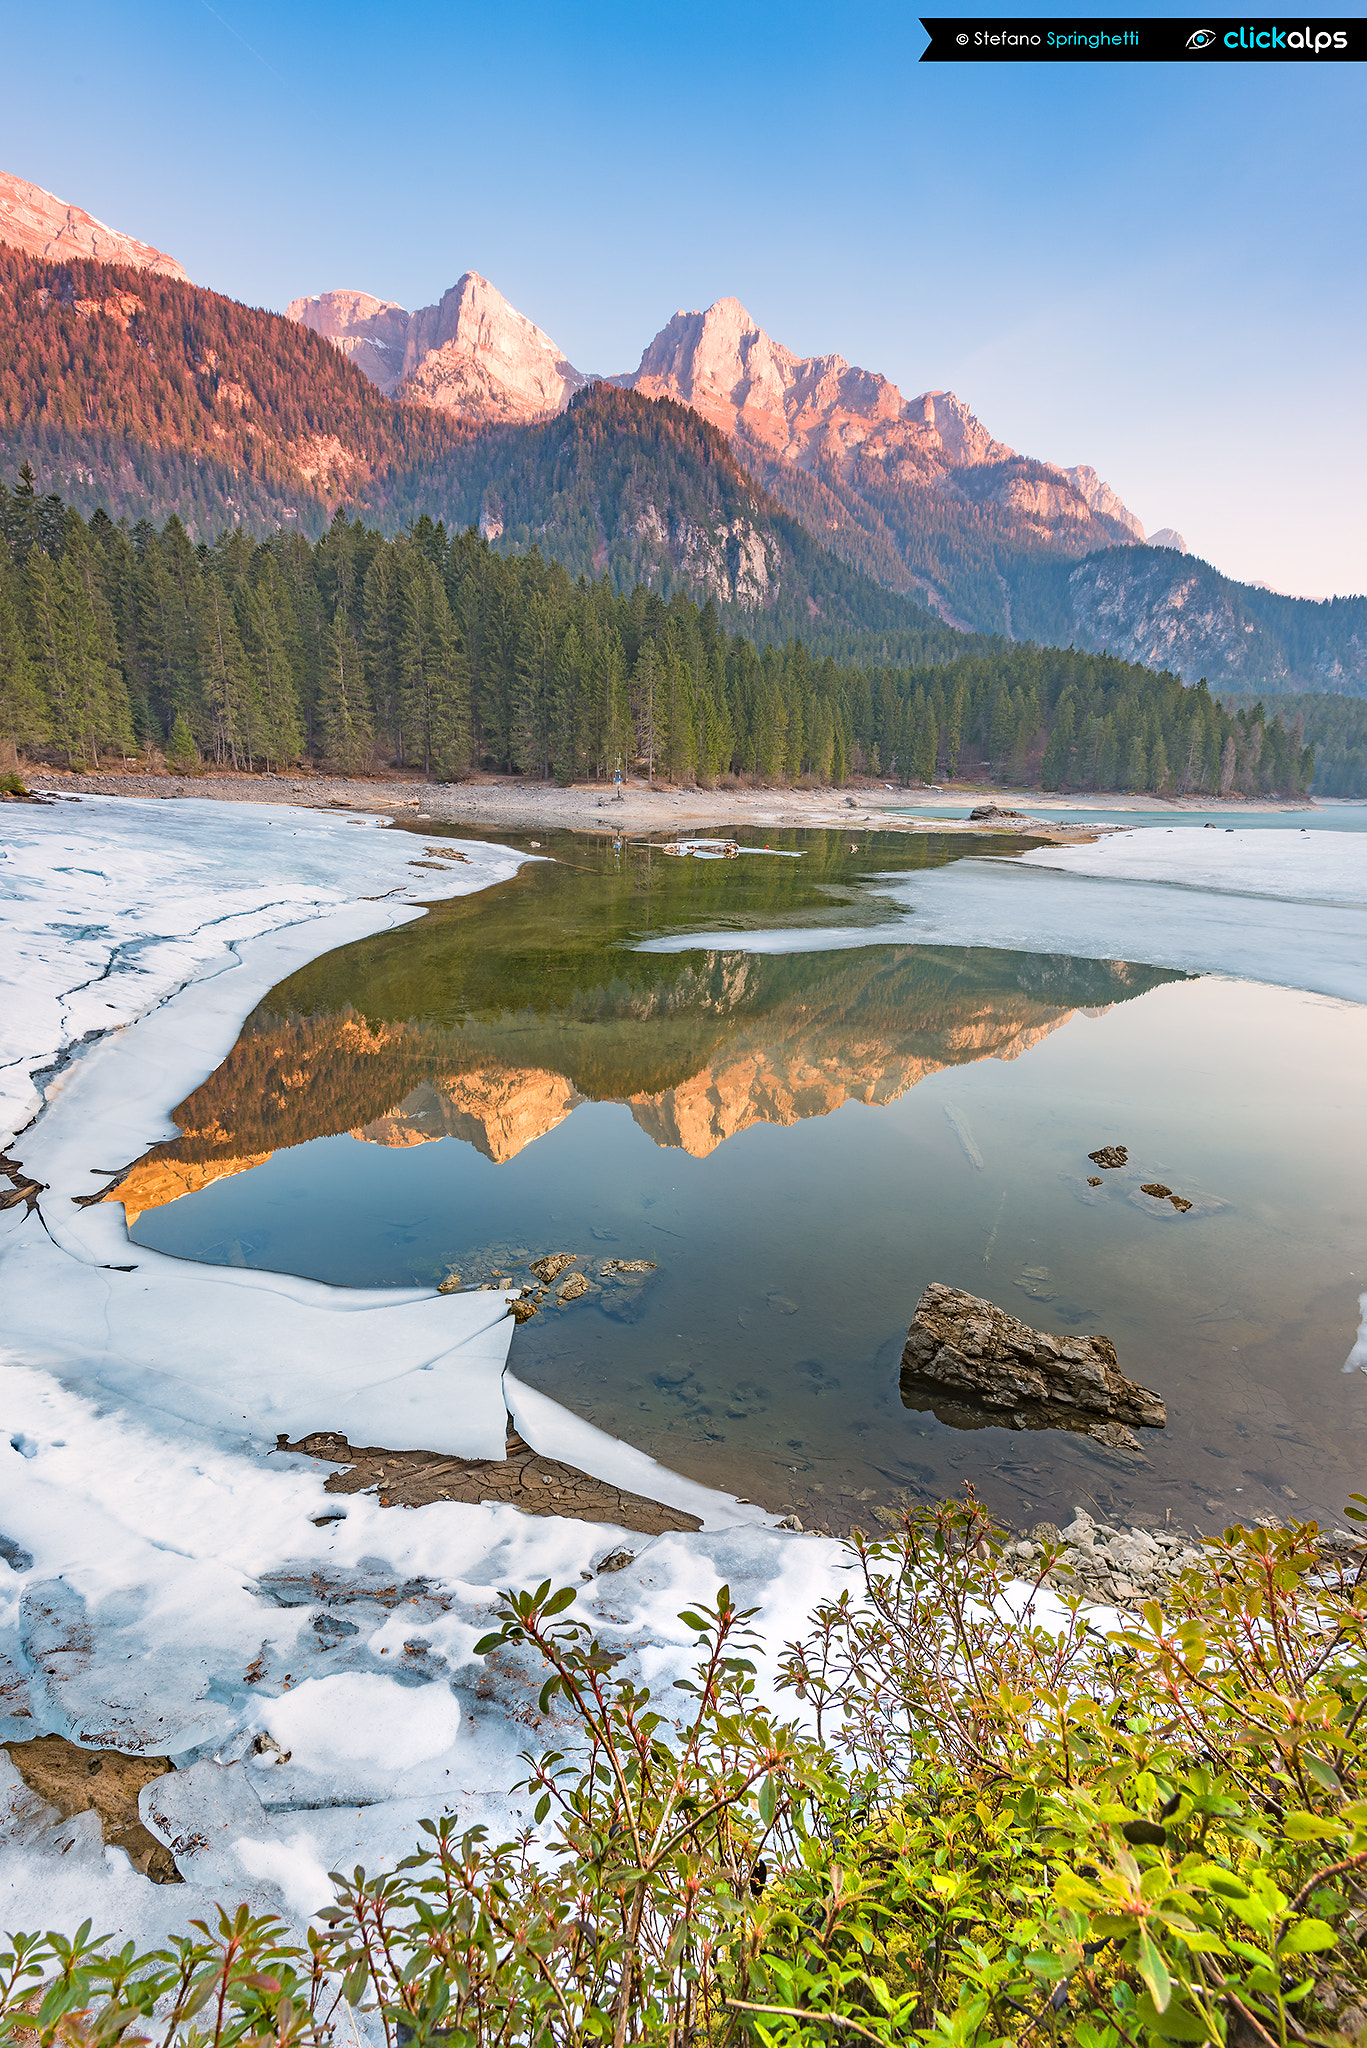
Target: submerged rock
(552, 1266)
(573, 1288)
(610, 1267)
(980, 1353)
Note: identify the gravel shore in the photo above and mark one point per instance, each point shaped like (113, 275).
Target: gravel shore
(493, 802)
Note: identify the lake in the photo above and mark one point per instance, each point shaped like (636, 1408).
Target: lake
(798, 1142)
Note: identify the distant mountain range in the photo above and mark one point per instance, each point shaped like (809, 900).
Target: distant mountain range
(148, 395)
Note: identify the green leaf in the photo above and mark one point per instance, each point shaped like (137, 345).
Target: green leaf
(1153, 1970)
(561, 1600)
(1309, 1827)
(487, 1643)
(1306, 1937)
(1320, 1771)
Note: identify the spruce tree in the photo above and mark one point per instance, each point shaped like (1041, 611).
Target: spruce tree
(231, 691)
(182, 755)
(379, 644)
(344, 720)
(1057, 754)
(281, 728)
(23, 715)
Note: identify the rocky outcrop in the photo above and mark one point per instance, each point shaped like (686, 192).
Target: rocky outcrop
(372, 332)
(42, 225)
(827, 416)
(1171, 610)
(977, 1352)
(475, 355)
(472, 354)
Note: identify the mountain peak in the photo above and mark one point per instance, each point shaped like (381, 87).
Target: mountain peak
(42, 225)
(372, 332)
(476, 355)
(472, 353)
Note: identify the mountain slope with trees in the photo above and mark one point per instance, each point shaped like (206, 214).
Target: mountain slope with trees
(435, 653)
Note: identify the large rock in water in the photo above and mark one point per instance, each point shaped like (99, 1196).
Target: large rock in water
(977, 1351)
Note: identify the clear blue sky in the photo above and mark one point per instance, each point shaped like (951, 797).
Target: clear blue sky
(1154, 269)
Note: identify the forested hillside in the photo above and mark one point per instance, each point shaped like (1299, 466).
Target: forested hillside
(1336, 729)
(144, 396)
(433, 652)
(1158, 606)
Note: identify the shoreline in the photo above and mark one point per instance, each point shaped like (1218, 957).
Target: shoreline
(497, 802)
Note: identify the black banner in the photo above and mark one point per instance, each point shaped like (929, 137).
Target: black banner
(1201, 40)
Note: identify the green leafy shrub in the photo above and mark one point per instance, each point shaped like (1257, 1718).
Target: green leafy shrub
(1004, 1829)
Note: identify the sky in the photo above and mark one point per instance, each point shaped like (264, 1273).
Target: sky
(1153, 269)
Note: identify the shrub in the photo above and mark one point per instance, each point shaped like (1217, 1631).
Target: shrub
(1006, 1827)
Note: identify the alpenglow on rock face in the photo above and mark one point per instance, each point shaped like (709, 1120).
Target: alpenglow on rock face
(973, 1349)
(42, 225)
(472, 354)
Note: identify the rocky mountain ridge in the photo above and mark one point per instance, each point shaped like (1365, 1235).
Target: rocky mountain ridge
(42, 225)
(130, 389)
(476, 357)
(472, 354)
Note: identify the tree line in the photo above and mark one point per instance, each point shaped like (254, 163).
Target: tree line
(1335, 726)
(431, 652)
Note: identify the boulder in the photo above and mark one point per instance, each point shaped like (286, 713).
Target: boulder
(981, 1354)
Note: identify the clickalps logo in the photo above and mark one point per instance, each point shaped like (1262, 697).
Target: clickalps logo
(1312, 41)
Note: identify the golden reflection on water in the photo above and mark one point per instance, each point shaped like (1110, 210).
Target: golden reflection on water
(801, 1142)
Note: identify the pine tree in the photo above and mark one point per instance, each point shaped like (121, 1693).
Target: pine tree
(534, 689)
(647, 708)
(1136, 770)
(49, 640)
(281, 726)
(99, 695)
(379, 643)
(231, 692)
(954, 727)
(1058, 753)
(344, 721)
(182, 755)
(23, 715)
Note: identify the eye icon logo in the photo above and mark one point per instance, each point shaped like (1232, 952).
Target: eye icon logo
(1201, 39)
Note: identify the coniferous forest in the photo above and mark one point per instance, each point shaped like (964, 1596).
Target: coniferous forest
(431, 652)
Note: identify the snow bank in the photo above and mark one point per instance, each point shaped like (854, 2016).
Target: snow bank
(179, 1587)
(1296, 867)
(1277, 907)
(141, 897)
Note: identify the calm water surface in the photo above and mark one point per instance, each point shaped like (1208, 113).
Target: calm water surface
(800, 1142)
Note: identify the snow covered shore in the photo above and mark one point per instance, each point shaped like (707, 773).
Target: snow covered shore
(1284, 907)
(170, 1584)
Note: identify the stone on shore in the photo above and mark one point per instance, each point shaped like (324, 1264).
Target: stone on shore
(975, 1350)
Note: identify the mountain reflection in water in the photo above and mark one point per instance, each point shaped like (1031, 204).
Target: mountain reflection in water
(797, 1144)
(697, 1047)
